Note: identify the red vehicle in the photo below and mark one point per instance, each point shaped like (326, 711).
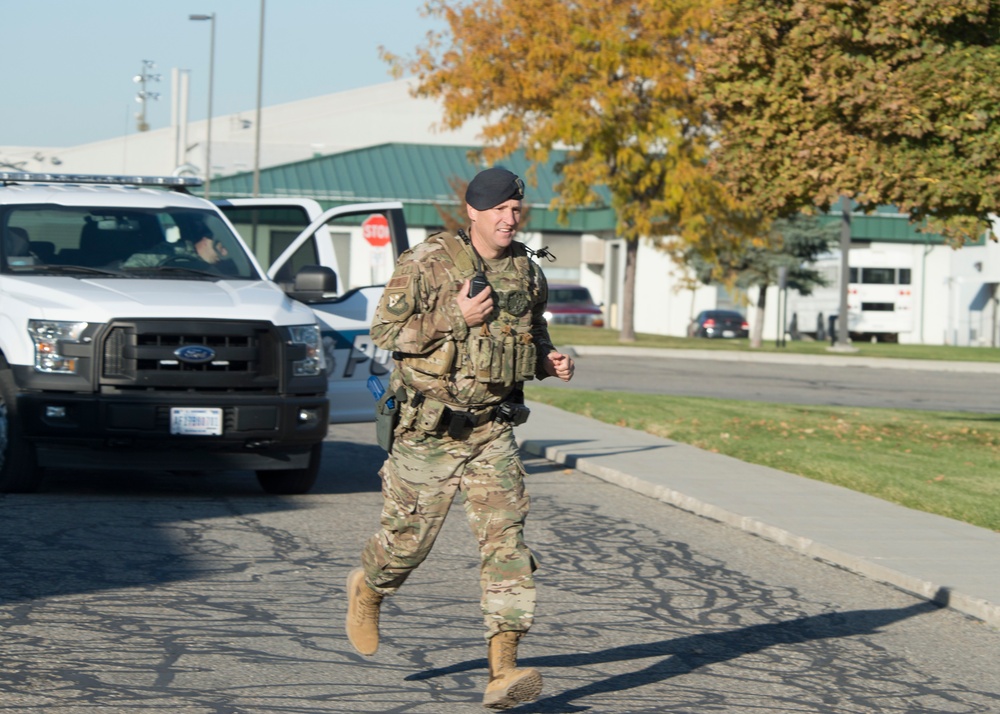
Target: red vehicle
(572, 305)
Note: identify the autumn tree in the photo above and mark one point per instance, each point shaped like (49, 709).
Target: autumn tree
(609, 80)
(788, 248)
(889, 102)
(454, 215)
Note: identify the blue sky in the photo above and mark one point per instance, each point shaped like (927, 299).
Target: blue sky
(66, 66)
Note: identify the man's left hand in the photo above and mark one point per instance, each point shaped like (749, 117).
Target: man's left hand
(559, 365)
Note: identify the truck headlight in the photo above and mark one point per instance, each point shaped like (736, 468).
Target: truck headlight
(315, 362)
(47, 334)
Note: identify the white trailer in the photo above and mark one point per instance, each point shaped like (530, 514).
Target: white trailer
(880, 296)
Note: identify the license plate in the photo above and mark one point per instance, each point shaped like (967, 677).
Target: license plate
(728, 333)
(193, 421)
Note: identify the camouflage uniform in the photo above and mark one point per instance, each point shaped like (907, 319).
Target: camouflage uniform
(442, 365)
(162, 253)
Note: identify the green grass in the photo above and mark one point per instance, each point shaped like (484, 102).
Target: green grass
(939, 462)
(572, 335)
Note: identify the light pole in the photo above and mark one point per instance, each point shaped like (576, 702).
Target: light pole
(211, 78)
(260, 82)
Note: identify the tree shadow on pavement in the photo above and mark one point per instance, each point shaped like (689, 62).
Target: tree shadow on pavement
(683, 655)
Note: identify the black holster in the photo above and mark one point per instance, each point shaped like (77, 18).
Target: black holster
(386, 418)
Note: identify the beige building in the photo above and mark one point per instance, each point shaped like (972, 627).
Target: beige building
(290, 132)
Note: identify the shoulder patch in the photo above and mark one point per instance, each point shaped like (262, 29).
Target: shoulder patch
(399, 305)
(399, 300)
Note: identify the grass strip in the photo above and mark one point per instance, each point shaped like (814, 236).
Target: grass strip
(938, 462)
(576, 335)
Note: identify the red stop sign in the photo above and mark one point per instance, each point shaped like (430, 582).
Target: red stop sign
(375, 229)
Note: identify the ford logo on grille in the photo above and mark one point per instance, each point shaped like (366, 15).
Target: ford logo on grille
(194, 354)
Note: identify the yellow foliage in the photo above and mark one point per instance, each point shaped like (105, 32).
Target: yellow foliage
(610, 80)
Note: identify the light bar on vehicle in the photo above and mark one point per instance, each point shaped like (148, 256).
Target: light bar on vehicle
(170, 181)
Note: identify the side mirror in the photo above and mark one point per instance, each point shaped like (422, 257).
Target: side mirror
(313, 283)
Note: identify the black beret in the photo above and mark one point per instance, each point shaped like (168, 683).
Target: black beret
(492, 187)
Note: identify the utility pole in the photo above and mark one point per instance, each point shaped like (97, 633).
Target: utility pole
(260, 84)
(143, 95)
(211, 80)
(843, 342)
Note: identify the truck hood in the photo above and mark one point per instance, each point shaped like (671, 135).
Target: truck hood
(100, 300)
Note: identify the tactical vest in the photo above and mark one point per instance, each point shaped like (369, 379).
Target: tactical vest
(501, 352)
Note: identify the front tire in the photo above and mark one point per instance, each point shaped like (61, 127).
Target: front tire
(293, 481)
(19, 471)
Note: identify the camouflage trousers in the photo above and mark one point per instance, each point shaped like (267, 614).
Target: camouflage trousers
(420, 479)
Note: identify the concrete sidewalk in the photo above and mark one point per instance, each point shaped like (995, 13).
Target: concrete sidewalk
(945, 561)
(832, 359)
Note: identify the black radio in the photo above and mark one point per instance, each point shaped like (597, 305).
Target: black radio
(478, 284)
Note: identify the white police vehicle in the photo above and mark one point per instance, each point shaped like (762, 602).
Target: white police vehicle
(288, 234)
(137, 331)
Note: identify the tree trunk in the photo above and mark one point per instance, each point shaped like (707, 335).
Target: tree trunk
(758, 323)
(628, 292)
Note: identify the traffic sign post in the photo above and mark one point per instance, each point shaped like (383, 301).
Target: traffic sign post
(375, 230)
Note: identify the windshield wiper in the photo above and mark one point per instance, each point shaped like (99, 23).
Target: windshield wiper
(67, 269)
(173, 269)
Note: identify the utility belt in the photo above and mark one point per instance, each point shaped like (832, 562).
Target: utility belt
(426, 414)
(459, 423)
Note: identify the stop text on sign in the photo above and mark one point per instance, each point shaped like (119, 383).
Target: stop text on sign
(375, 230)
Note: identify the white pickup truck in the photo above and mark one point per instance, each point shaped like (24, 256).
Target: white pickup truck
(289, 234)
(139, 331)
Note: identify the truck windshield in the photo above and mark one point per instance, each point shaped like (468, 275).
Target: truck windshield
(120, 242)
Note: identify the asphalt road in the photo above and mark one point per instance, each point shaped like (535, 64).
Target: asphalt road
(790, 383)
(131, 593)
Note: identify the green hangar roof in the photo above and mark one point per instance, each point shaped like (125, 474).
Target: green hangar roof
(418, 175)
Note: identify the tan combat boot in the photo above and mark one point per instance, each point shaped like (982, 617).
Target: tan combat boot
(509, 686)
(362, 613)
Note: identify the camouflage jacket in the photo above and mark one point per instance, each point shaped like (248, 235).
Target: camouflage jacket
(436, 353)
(160, 254)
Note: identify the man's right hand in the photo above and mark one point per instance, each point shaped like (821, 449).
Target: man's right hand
(476, 309)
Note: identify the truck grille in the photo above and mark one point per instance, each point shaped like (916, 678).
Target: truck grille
(142, 355)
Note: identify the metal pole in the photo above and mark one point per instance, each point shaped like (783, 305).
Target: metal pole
(260, 84)
(183, 114)
(784, 315)
(211, 81)
(843, 330)
(779, 338)
(175, 123)
(777, 310)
